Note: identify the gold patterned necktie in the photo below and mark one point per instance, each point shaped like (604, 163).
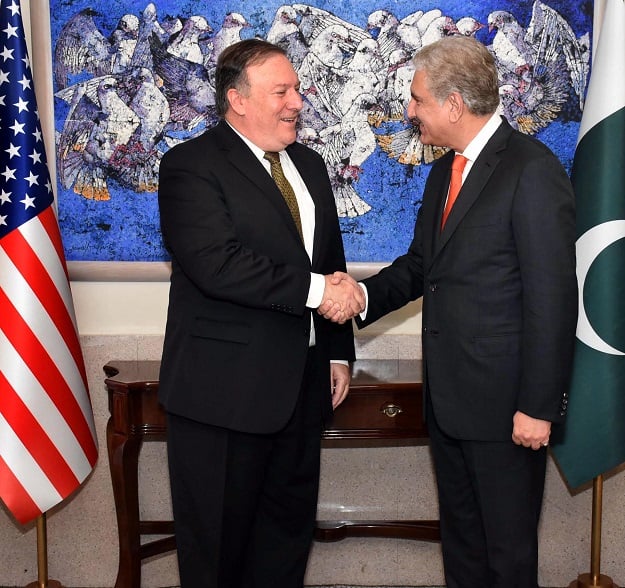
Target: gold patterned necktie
(285, 188)
(457, 167)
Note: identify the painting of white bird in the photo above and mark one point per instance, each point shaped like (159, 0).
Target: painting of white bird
(132, 80)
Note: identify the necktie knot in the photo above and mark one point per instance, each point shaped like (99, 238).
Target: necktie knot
(455, 183)
(458, 164)
(272, 157)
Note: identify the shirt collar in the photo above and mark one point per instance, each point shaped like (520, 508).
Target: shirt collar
(256, 150)
(474, 148)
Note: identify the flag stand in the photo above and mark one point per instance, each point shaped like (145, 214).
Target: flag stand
(595, 578)
(42, 557)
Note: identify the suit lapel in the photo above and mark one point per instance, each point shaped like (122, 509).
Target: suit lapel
(474, 183)
(440, 185)
(247, 163)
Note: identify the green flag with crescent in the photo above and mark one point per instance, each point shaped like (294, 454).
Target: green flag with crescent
(592, 441)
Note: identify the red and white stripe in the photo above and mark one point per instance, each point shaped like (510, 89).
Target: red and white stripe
(47, 435)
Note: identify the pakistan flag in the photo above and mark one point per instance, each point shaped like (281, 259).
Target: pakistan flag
(592, 441)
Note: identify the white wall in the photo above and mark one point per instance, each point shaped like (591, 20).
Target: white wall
(109, 308)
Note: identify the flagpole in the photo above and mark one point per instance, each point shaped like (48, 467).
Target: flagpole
(42, 557)
(41, 51)
(595, 577)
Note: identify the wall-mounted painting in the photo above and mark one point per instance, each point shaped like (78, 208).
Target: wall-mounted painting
(131, 80)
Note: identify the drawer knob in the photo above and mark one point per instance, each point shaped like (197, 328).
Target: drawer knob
(391, 410)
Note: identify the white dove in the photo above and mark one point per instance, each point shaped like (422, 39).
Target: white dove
(186, 44)
(229, 34)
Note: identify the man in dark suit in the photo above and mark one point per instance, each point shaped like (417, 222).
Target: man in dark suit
(249, 372)
(499, 291)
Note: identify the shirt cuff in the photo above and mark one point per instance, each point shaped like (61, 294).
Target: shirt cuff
(315, 292)
(363, 314)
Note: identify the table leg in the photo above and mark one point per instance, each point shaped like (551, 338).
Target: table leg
(123, 454)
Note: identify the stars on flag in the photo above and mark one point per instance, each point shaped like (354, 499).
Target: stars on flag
(13, 150)
(14, 8)
(44, 461)
(25, 186)
(28, 202)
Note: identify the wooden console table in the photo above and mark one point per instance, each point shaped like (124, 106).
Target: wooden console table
(384, 407)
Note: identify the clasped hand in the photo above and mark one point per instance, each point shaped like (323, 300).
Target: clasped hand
(342, 299)
(529, 431)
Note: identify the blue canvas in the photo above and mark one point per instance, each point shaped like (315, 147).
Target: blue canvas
(123, 97)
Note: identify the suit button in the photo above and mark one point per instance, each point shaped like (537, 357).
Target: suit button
(433, 287)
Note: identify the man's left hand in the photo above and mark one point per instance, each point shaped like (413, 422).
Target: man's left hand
(340, 377)
(530, 432)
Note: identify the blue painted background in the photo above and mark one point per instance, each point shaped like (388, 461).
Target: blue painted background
(125, 228)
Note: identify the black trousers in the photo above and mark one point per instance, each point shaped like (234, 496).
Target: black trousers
(245, 504)
(490, 497)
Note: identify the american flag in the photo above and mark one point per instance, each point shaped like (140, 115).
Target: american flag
(47, 435)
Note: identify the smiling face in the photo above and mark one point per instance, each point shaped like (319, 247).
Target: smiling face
(267, 108)
(432, 117)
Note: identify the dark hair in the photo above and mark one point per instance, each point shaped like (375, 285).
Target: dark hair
(464, 65)
(232, 67)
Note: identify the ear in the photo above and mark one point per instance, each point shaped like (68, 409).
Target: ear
(236, 101)
(456, 106)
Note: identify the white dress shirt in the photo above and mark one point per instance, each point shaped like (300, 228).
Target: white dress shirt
(307, 215)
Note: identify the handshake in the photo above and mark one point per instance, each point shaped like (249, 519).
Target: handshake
(342, 299)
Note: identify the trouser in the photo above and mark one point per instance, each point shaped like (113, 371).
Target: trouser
(490, 498)
(245, 504)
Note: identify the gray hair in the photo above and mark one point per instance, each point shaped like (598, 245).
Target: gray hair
(464, 65)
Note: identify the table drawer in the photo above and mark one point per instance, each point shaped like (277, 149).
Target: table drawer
(378, 413)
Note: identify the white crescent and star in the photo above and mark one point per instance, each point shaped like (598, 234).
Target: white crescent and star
(588, 247)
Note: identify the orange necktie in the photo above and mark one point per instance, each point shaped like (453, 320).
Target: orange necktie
(457, 167)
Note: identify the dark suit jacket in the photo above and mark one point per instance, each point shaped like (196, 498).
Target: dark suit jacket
(238, 329)
(498, 285)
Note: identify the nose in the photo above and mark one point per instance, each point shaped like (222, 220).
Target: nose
(410, 109)
(296, 101)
